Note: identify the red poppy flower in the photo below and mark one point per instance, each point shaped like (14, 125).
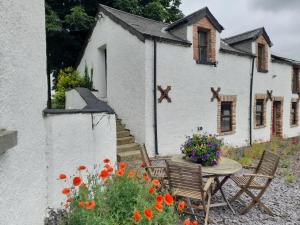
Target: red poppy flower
(76, 181)
(146, 177)
(151, 190)
(130, 174)
(194, 222)
(187, 222)
(122, 165)
(66, 191)
(108, 168)
(120, 172)
(81, 204)
(159, 198)
(81, 167)
(158, 206)
(142, 165)
(66, 206)
(168, 199)
(106, 160)
(136, 216)
(69, 199)
(62, 176)
(181, 205)
(103, 174)
(155, 182)
(148, 214)
(91, 204)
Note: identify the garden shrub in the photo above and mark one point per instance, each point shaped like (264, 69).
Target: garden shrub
(69, 78)
(116, 197)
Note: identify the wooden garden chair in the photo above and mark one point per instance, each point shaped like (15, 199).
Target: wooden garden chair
(186, 181)
(155, 167)
(259, 180)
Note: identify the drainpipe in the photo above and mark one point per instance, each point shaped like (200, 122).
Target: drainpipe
(154, 94)
(49, 105)
(250, 102)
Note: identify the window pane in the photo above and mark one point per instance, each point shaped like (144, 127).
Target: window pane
(226, 122)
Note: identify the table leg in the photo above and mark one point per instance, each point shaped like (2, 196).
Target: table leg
(219, 188)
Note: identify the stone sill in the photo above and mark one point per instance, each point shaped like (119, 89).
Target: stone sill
(294, 125)
(260, 127)
(227, 133)
(8, 140)
(262, 71)
(206, 63)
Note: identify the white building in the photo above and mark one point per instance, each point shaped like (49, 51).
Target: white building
(137, 62)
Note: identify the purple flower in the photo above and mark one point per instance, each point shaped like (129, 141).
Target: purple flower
(214, 162)
(218, 154)
(204, 157)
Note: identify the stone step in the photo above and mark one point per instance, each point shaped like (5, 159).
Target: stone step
(120, 127)
(123, 133)
(128, 147)
(125, 140)
(129, 156)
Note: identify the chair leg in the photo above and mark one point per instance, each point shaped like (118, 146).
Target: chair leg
(207, 209)
(237, 195)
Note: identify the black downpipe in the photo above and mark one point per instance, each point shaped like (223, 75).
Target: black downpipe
(250, 102)
(49, 104)
(154, 94)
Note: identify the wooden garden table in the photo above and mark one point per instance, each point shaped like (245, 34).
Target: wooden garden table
(225, 168)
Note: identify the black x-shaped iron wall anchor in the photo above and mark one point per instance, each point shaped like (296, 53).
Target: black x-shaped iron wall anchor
(164, 93)
(269, 95)
(215, 94)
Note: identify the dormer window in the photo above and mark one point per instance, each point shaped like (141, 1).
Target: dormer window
(203, 46)
(260, 57)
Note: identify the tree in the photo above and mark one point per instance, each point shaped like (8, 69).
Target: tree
(69, 21)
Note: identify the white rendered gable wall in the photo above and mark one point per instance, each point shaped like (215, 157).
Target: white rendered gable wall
(125, 72)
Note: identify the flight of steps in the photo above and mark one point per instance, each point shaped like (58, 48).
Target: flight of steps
(127, 149)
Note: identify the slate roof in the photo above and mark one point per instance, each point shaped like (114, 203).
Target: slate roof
(249, 35)
(142, 27)
(190, 19)
(225, 47)
(293, 62)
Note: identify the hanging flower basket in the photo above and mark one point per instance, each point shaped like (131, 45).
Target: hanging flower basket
(202, 148)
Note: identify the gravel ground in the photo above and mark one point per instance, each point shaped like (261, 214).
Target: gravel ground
(282, 198)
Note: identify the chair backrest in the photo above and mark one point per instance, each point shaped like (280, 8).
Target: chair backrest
(145, 156)
(183, 176)
(268, 164)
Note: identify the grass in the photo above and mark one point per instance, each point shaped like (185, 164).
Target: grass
(251, 155)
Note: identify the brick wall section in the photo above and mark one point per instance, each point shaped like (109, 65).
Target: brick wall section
(204, 23)
(279, 132)
(260, 97)
(297, 112)
(262, 40)
(227, 98)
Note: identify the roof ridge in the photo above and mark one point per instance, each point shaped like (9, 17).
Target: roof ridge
(246, 32)
(142, 17)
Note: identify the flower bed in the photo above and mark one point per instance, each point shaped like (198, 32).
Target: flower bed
(117, 196)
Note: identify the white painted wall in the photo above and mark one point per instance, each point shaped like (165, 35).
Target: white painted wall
(125, 72)
(191, 106)
(71, 141)
(74, 100)
(22, 98)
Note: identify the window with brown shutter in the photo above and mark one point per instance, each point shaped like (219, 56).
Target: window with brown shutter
(203, 45)
(294, 113)
(260, 57)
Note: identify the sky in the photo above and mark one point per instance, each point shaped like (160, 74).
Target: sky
(281, 19)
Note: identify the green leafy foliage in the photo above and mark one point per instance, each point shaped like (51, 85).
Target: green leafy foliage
(78, 19)
(115, 198)
(68, 78)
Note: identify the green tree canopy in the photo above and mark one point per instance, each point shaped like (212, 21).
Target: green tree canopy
(68, 23)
